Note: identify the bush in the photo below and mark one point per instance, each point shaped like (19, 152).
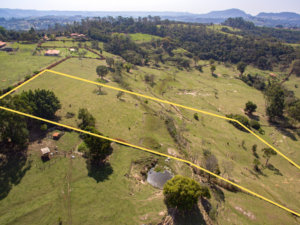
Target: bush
(146, 101)
(44, 127)
(10, 88)
(261, 131)
(242, 119)
(36, 72)
(255, 124)
(196, 116)
(82, 147)
(27, 77)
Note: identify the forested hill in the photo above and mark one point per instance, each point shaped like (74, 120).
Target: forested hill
(261, 47)
(248, 28)
(282, 15)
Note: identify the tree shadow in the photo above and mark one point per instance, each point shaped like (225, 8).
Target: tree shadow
(254, 117)
(111, 69)
(217, 193)
(13, 169)
(287, 133)
(188, 218)
(276, 171)
(214, 75)
(99, 172)
(256, 155)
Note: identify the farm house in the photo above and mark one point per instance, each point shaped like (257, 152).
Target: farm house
(52, 53)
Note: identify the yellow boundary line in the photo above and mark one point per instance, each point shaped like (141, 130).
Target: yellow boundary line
(144, 149)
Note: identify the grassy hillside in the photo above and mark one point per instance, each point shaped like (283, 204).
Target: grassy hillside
(219, 93)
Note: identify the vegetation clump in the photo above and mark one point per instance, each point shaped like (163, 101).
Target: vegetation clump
(183, 193)
(242, 119)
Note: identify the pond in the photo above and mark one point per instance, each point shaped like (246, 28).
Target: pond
(158, 179)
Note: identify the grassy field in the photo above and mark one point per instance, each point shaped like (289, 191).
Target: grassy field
(15, 66)
(218, 28)
(140, 123)
(138, 37)
(66, 44)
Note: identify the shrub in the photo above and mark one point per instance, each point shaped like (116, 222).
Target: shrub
(44, 127)
(255, 124)
(242, 119)
(27, 77)
(146, 101)
(82, 147)
(196, 116)
(261, 131)
(10, 88)
(36, 72)
(296, 86)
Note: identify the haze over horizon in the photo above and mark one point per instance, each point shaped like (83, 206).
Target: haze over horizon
(192, 6)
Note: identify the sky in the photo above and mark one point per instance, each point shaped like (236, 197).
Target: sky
(252, 7)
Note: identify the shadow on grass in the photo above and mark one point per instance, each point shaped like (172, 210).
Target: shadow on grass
(214, 75)
(276, 171)
(288, 133)
(253, 117)
(99, 172)
(12, 169)
(218, 194)
(188, 218)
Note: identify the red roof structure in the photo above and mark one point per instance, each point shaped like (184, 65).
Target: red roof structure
(52, 52)
(272, 74)
(56, 134)
(2, 43)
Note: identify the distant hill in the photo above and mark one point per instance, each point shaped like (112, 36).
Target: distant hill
(224, 14)
(282, 15)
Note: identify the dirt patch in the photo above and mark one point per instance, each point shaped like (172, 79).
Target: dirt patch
(248, 214)
(172, 152)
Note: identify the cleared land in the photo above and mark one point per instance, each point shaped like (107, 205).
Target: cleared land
(116, 118)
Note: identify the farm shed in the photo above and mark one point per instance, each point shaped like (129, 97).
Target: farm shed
(45, 152)
(52, 53)
(272, 74)
(56, 135)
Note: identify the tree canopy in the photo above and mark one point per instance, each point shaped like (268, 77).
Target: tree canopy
(101, 71)
(183, 192)
(98, 147)
(250, 107)
(86, 118)
(43, 102)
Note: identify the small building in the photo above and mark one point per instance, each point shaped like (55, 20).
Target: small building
(46, 38)
(272, 74)
(7, 49)
(45, 152)
(56, 135)
(52, 53)
(72, 50)
(74, 35)
(2, 44)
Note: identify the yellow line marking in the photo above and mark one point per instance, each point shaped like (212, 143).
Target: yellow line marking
(182, 106)
(158, 153)
(22, 84)
(154, 152)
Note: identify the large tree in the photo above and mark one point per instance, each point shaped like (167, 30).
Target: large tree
(98, 147)
(102, 71)
(241, 66)
(268, 152)
(86, 118)
(43, 102)
(212, 69)
(250, 107)
(13, 127)
(275, 99)
(183, 192)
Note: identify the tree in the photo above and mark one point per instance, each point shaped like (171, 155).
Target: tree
(211, 61)
(275, 101)
(43, 102)
(254, 148)
(256, 163)
(211, 164)
(294, 111)
(241, 66)
(102, 71)
(212, 69)
(98, 147)
(13, 127)
(228, 167)
(250, 107)
(183, 192)
(268, 152)
(73, 41)
(44, 127)
(87, 120)
(110, 61)
(128, 67)
(120, 93)
(196, 59)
